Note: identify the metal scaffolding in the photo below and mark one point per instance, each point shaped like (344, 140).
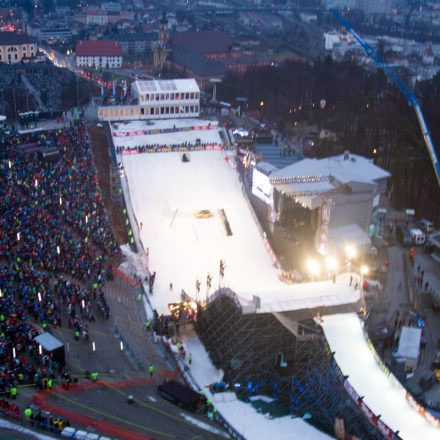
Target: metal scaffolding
(281, 356)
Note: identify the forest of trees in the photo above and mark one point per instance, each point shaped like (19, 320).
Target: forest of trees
(363, 109)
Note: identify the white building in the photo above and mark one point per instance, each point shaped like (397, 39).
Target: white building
(100, 53)
(339, 192)
(157, 99)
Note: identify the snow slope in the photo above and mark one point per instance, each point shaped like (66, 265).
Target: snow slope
(166, 193)
(346, 338)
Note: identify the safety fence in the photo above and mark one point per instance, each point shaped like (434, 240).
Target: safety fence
(124, 277)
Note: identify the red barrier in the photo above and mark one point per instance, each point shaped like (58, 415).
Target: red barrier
(40, 399)
(125, 277)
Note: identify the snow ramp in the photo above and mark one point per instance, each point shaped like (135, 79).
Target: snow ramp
(381, 397)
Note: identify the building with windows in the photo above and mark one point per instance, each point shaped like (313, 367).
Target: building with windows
(16, 47)
(102, 53)
(157, 99)
(375, 6)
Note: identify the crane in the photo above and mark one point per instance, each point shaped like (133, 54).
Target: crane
(401, 85)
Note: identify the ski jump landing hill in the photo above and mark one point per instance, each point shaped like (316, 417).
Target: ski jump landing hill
(164, 195)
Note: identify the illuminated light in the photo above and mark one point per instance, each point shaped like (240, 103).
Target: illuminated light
(93, 346)
(313, 267)
(374, 151)
(351, 251)
(39, 296)
(1, 293)
(83, 304)
(261, 103)
(40, 349)
(121, 345)
(331, 263)
(13, 352)
(61, 201)
(364, 270)
(18, 236)
(36, 183)
(10, 164)
(87, 219)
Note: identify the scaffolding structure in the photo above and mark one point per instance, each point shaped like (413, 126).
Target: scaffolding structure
(281, 356)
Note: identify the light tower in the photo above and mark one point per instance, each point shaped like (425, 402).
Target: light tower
(215, 81)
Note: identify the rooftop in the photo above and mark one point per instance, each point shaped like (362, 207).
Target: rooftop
(166, 85)
(343, 168)
(98, 48)
(12, 38)
(203, 42)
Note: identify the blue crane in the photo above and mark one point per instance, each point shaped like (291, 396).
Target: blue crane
(403, 87)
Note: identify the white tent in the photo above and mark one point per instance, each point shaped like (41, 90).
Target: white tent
(409, 343)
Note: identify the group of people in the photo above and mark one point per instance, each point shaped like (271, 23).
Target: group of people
(56, 251)
(154, 148)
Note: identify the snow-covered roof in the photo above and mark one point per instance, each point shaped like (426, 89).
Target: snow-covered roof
(166, 85)
(341, 169)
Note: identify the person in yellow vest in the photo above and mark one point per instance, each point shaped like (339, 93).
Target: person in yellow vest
(13, 392)
(50, 384)
(151, 369)
(147, 324)
(94, 376)
(28, 413)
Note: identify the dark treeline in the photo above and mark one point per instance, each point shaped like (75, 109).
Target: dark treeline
(368, 116)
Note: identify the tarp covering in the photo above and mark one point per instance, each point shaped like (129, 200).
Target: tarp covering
(409, 343)
(179, 392)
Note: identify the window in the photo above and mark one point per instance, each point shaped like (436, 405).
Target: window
(177, 109)
(177, 96)
(191, 95)
(162, 110)
(186, 109)
(172, 110)
(167, 96)
(167, 110)
(156, 110)
(157, 97)
(142, 110)
(186, 95)
(191, 109)
(196, 95)
(171, 95)
(196, 108)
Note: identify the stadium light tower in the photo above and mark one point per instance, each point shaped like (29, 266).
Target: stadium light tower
(214, 81)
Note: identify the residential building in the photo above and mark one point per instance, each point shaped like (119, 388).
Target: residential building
(99, 53)
(375, 6)
(134, 42)
(16, 47)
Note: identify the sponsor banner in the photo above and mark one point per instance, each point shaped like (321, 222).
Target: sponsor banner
(351, 391)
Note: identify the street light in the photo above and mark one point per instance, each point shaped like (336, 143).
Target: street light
(350, 251)
(313, 267)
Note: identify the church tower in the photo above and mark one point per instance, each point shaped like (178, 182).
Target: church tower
(161, 48)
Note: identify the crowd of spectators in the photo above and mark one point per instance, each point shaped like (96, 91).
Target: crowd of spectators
(154, 148)
(56, 250)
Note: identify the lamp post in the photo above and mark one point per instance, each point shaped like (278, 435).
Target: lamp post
(364, 271)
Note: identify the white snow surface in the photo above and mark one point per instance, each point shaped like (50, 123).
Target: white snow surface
(166, 193)
(346, 338)
(206, 136)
